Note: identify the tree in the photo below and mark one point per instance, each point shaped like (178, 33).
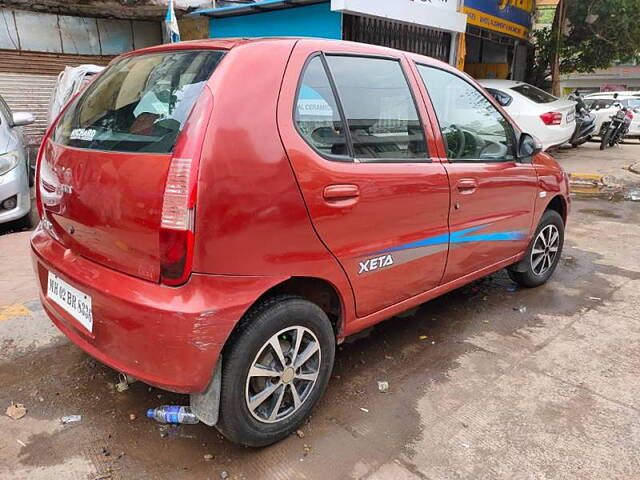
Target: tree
(594, 34)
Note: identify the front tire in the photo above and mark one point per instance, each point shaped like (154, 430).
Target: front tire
(275, 370)
(543, 254)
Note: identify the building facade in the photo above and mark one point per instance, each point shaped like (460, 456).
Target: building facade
(497, 38)
(429, 27)
(38, 41)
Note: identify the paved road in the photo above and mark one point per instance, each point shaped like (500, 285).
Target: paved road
(493, 392)
(612, 163)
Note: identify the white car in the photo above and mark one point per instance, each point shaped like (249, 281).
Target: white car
(604, 105)
(550, 119)
(15, 197)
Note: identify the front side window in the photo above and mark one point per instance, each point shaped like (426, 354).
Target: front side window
(379, 109)
(316, 112)
(472, 128)
(139, 104)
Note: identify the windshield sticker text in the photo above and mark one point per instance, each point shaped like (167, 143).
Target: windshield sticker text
(84, 134)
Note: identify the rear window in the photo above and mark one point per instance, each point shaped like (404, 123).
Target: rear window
(534, 94)
(139, 104)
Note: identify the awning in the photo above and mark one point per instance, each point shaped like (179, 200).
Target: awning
(253, 7)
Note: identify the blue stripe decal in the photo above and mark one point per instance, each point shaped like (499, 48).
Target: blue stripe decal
(461, 236)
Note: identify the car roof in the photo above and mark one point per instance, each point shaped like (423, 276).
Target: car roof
(492, 82)
(323, 43)
(624, 94)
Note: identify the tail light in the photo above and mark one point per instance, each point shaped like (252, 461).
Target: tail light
(629, 114)
(176, 227)
(551, 118)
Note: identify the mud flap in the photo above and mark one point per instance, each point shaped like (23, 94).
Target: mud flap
(521, 266)
(206, 405)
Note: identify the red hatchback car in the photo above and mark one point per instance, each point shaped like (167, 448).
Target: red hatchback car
(218, 215)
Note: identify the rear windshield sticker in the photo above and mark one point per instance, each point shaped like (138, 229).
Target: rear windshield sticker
(84, 134)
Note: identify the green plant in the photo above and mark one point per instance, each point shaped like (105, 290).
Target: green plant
(595, 34)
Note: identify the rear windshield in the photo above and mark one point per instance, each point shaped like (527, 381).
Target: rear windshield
(139, 104)
(534, 94)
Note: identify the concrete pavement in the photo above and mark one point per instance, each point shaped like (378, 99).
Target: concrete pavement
(494, 391)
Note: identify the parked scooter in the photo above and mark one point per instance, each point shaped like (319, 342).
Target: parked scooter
(585, 121)
(617, 128)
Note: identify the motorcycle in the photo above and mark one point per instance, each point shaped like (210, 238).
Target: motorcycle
(613, 132)
(585, 121)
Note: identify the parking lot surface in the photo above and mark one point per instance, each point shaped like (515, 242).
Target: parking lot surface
(488, 381)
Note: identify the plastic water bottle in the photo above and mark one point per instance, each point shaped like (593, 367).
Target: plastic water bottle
(172, 414)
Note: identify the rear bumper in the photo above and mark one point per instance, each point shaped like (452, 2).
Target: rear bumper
(555, 136)
(167, 337)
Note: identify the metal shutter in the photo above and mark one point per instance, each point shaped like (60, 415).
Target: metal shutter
(27, 80)
(410, 38)
(29, 93)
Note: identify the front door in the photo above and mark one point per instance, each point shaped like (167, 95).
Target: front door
(492, 194)
(355, 138)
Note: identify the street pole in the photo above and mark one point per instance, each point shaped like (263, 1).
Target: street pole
(561, 11)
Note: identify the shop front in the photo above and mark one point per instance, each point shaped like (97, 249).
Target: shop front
(428, 27)
(497, 38)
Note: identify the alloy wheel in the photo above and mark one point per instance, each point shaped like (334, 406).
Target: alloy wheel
(283, 374)
(545, 249)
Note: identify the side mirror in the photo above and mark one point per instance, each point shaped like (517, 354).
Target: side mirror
(528, 146)
(20, 119)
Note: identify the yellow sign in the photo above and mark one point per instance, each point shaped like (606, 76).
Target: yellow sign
(526, 5)
(484, 20)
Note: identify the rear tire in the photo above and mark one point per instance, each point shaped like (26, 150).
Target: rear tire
(543, 254)
(257, 410)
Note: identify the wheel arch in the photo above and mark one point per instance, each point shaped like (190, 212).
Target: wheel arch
(323, 293)
(559, 204)
(317, 290)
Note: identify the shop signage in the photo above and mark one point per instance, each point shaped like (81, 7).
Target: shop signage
(510, 17)
(437, 14)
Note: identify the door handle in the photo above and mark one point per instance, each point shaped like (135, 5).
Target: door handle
(341, 195)
(467, 186)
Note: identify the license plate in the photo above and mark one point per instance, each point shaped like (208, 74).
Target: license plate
(72, 300)
(571, 117)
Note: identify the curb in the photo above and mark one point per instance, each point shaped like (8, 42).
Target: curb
(586, 178)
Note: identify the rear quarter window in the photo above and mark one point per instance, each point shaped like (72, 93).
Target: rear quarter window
(139, 104)
(534, 94)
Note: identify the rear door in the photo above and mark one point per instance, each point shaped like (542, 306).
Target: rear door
(492, 195)
(378, 200)
(103, 172)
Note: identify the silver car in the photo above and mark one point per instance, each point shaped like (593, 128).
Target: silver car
(15, 197)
